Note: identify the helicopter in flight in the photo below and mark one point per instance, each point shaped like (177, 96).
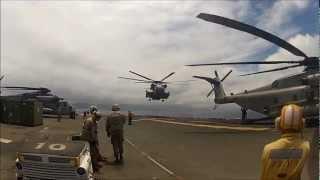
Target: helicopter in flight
(158, 89)
(52, 104)
(301, 89)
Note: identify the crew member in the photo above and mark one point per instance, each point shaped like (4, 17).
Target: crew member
(244, 114)
(90, 134)
(284, 158)
(84, 114)
(130, 117)
(92, 110)
(114, 128)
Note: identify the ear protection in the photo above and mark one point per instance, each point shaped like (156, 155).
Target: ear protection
(277, 123)
(291, 119)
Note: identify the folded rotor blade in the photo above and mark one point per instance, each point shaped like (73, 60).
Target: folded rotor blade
(131, 79)
(271, 70)
(140, 75)
(167, 76)
(210, 80)
(252, 30)
(250, 62)
(210, 92)
(226, 75)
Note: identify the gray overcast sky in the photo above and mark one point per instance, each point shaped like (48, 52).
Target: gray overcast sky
(78, 48)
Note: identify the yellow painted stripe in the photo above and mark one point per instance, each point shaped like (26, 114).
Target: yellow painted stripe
(208, 126)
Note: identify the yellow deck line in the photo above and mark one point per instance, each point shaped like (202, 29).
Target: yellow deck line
(209, 126)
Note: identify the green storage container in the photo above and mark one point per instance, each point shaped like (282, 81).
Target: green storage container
(21, 112)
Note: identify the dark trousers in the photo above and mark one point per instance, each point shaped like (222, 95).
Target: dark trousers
(94, 154)
(117, 143)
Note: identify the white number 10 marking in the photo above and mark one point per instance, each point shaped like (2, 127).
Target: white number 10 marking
(40, 145)
(54, 147)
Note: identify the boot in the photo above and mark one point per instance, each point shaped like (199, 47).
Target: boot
(117, 159)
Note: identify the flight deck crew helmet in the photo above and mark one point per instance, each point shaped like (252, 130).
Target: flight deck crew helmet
(93, 109)
(115, 107)
(291, 119)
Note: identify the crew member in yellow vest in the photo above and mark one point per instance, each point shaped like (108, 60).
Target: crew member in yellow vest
(284, 158)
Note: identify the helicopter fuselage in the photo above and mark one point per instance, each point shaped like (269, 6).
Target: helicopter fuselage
(301, 89)
(157, 92)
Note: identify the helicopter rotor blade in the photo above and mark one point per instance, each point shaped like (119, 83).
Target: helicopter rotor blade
(146, 82)
(226, 75)
(252, 30)
(131, 79)
(141, 75)
(272, 70)
(208, 79)
(167, 76)
(216, 73)
(26, 88)
(245, 63)
(170, 82)
(210, 92)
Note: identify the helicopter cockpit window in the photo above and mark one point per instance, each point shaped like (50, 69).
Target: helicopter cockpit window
(275, 84)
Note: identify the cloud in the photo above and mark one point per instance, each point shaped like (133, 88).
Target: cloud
(281, 14)
(78, 49)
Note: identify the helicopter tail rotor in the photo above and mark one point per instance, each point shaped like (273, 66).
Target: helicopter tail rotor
(216, 84)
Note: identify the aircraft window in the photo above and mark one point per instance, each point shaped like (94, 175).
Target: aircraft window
(275, 84)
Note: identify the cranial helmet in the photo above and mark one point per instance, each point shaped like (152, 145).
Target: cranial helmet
(291, 119)
(115, 107)
(93, 109)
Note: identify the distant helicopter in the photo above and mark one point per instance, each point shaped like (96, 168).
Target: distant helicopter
(301, 89)
(52, 104)
(157, 90)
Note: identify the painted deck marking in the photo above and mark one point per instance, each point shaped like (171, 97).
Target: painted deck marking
(150, 158)
(209, 126)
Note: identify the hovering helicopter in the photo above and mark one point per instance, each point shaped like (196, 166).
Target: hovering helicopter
(52, 104)
(301, 88)
(157, 90)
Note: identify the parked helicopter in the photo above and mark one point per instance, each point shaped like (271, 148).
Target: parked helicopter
(157, 90)
(301, 88)
(52, 104)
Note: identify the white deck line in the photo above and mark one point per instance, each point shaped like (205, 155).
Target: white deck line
(150, 158)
